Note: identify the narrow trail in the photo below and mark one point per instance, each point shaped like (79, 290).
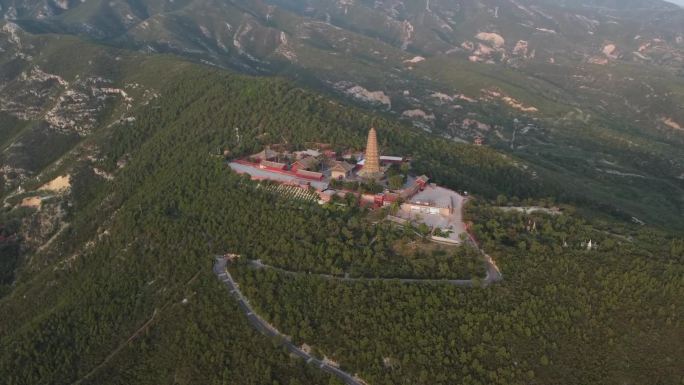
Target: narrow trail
(119, 348)
(155, 315)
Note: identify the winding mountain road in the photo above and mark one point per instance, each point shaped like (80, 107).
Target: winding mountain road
(492, 276)
(265, 328)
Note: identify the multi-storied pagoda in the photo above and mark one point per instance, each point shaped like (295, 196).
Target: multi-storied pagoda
(371, 166)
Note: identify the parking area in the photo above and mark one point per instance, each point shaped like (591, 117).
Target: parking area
(431, 206)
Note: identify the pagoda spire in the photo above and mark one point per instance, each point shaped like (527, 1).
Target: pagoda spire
(371, 166)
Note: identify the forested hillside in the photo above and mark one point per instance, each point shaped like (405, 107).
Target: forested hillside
(138, 245)
(125, 293)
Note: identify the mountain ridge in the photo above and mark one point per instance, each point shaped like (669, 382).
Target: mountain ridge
(583, 75)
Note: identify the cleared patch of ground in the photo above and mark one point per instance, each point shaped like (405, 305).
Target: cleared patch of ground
(61, 183)
(33, 202)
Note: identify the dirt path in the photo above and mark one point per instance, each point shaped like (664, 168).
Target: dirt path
(136, 334)
(119, 348)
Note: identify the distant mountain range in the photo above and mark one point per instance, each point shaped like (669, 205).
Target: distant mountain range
(566, 44)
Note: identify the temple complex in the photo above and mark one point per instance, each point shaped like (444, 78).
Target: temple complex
(372, 180)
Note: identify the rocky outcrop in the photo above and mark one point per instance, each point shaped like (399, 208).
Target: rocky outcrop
(493, 94)
(378, 98)
(669, 122)
(418, 113)
(494, 39)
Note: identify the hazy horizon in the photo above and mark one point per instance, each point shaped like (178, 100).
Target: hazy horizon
(678, 2)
